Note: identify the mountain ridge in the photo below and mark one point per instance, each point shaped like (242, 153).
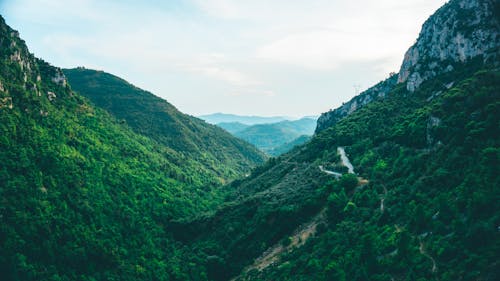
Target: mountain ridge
(244, 119)
(271, 136)
(154, 117)
(85, 197)
(440, 46)
(417, 209)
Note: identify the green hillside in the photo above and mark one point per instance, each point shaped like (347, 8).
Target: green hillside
(422, 204)
(233, 127)
(401, 183)
(424, 207)
(273, 138)
(269, 137)
(84, 197)
(151, 116)
(284, 148)
(429, 208)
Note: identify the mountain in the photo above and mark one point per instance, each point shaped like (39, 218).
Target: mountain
(286, 147)
(219, 152)
(403, 186)
(458, 32)
(233, 127)
(269, 137)
(274, 138)
(400, 183)
(216, 118)
(88, 194)
(424, 205)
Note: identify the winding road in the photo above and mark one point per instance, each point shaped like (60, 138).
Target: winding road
(345, 162)
(423, 251)
(335, 174)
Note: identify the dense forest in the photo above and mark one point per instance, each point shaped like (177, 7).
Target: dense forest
(146, 114)
(108, 182)
(425, 208)
(84, 197)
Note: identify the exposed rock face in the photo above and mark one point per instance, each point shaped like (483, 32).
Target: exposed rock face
(51, 95)
(32, 72)
(59, 78)
(458, 32)
(6, 102)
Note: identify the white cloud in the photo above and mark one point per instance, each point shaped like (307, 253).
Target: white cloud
(237, 53)
(326, 48)
(251, 92)
(325, 34)
(234, 77)
(249, 10)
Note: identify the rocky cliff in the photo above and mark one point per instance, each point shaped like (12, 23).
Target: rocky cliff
(459, 32)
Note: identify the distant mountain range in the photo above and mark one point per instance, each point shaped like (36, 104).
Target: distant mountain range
(233, 127)
(217, 118)
(273, 138)
(286, 147)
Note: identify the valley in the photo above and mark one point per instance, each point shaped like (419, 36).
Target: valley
(273, 138)
(102, 180)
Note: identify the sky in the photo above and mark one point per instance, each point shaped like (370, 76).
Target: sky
(249, 57)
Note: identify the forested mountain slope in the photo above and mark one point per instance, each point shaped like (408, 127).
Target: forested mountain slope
(422, 207)
(233, 127)
(427, 207)
(151, 116)
(268, 137)
(83, 197)
(284, 148)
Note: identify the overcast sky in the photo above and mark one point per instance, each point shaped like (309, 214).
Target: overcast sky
(260, 57)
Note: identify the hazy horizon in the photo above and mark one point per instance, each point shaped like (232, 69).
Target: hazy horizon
(224, 56)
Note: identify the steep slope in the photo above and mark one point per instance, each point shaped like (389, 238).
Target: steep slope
(284, 148)
(424, 205)
(151, 116)
(428, 209)
(83, 197)
(459, 32)
(428, 195)
(270, 136)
